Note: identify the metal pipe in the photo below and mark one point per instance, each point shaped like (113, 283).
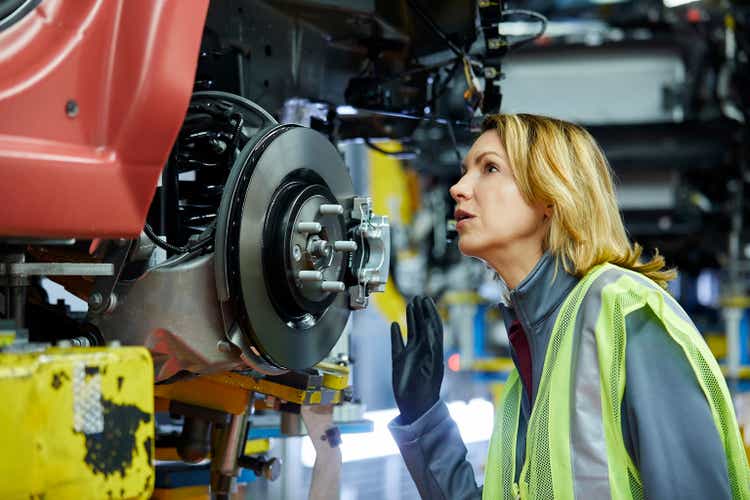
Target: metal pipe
(19, 305)
(224, 466)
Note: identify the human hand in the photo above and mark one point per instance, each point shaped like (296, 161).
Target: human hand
(418, 365)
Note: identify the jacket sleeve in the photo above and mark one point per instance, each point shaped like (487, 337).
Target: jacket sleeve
(436, 456)
(668, 427)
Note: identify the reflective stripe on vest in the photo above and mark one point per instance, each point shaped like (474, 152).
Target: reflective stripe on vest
(501, 459)
(575, 447)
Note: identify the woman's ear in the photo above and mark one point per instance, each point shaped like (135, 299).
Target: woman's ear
(548, 210)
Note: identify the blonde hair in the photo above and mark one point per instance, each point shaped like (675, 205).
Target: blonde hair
(560, 164)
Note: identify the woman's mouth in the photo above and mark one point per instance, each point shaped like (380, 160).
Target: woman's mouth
(462, 217)
(462, 223)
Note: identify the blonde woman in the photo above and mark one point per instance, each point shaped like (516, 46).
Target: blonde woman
(615, 394)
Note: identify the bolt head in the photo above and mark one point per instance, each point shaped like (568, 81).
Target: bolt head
(224, 346)
(272, 470)
(96, 299)
(297, 253)
(71, 108)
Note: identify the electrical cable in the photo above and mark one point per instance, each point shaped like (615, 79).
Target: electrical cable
(399, 155)
(452, 46)
(197, 245)
(423, 69)
(434, 27)
(529, 13)
(474, 96)
(442, 121)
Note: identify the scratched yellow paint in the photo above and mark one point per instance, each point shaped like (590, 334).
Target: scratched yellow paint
(43, 456)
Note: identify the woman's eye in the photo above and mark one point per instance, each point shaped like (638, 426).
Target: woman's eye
(489, 168)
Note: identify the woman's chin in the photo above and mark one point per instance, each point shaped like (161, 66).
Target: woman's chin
(467, 248)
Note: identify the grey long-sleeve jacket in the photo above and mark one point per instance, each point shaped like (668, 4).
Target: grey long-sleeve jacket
(667, 423)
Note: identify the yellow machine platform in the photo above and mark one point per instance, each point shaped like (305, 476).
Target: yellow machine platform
(77, 424)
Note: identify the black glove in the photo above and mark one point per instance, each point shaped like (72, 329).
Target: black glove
(418, 366)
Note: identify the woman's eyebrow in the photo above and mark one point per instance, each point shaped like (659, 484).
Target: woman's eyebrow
(481, 155)
(485, 153)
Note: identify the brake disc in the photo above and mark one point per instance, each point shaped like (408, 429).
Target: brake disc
(282, 251)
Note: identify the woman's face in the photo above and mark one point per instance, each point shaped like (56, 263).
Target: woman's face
(493, 219)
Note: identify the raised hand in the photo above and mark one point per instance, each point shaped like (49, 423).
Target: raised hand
(418, 365)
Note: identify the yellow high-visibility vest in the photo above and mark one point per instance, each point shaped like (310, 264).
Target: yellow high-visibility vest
(575, 447)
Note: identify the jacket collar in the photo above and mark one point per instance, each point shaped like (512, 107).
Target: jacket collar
(541, 292)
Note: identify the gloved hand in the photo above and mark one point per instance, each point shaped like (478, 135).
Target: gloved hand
(418, 366)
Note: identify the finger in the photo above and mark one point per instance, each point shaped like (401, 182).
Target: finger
(431, 313)
(436, 330)
(430, 316)
(397, 341)
(411, 328)
(418, 316)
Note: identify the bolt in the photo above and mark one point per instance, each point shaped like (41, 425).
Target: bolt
(321, 248)
(347, 394)
(309, 227)
(330, 209)
(71, 108)
(332, 286)
(345, 246)
(307, 321)
(112, 303)
(77, 342)
(297, 253)
(310, 275)
(219, 147)
(95, 300)
(272, 469)
(224, 346)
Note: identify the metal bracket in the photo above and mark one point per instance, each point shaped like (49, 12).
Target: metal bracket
(55, 269)
(374, 234)
(102, 298)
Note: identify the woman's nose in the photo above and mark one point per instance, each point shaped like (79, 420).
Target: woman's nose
(460, 190)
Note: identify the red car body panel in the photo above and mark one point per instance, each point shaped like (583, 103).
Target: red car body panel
(128, 67)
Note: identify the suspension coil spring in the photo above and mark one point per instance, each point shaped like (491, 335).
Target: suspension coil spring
(208, 143)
